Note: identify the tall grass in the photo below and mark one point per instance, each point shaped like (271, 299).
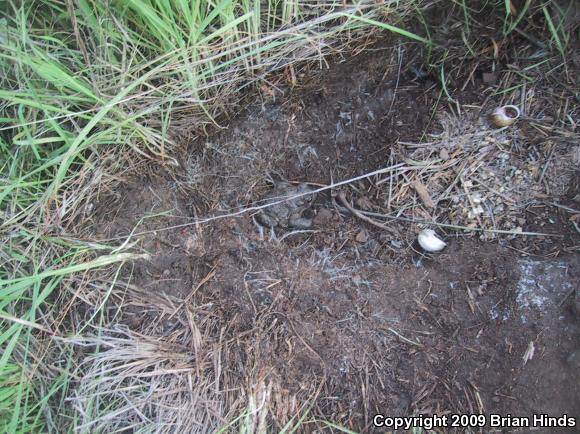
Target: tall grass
(87, 88)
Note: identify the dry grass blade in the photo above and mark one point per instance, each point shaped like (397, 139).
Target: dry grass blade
(136, 382)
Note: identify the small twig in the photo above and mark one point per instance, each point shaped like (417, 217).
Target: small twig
(299, 336)
(404, 339)
(250, 295)
(547, 163)
(361, 216)
(477, 397)
(7, 317)
(302, 231)
(458, 227)
(486, 133)
(502, 195)
(189, 296)
(564, 207)
(400, 55)
(576, 226)
(470, 200)
(568, 294)
(198, 221)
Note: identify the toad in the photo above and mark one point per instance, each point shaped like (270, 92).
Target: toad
(287, 214)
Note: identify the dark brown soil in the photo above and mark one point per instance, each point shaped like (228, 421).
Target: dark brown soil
(349, 310)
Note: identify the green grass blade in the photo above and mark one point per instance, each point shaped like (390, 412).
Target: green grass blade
(389, 27)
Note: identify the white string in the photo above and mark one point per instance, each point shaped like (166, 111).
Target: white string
(260, 207)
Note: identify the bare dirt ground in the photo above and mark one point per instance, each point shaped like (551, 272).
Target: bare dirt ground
(349, 313)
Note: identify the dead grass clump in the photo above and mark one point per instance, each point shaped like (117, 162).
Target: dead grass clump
(473, 176)
(133, 381)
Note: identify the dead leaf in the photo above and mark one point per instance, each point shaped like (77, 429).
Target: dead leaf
(423, 194)
(362, 236)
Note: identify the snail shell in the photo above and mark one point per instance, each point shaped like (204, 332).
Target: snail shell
(505, 116)
(430, 242)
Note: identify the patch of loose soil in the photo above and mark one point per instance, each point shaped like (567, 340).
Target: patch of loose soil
(349, 310)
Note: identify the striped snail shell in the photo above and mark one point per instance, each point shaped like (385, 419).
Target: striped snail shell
(505, 116)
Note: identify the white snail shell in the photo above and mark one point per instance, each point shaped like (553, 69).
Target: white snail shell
(505, 116)
(430, 242)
